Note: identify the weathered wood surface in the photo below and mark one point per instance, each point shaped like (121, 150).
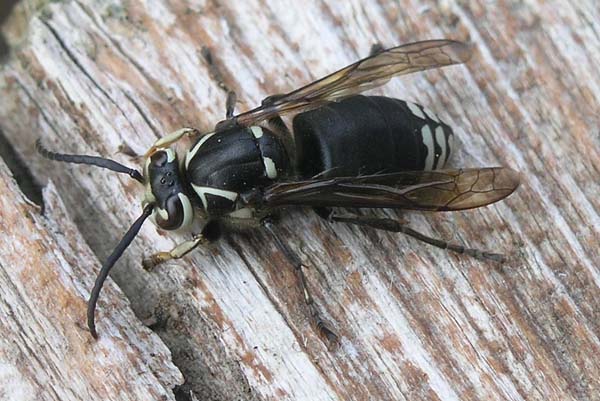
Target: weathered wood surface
(46, 352)
(416, 322)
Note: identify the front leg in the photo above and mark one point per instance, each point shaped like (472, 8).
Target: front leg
(210, 233)
(173, 137)
(216, 74)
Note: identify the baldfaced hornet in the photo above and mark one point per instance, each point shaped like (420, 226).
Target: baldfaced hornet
(344, 150)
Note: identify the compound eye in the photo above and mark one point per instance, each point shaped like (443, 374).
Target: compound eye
(178, 213)
(174, 214)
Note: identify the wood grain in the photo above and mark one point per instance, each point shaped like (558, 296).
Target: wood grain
(417, 323)
(45, 350)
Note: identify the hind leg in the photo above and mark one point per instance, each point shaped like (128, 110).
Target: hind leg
(324, 328)
(400, 227)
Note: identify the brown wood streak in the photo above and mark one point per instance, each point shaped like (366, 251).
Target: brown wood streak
(43, 261)
(416, 323)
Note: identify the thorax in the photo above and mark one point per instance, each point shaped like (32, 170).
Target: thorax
(222, 165)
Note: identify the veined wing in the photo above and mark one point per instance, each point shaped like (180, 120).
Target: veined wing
(442, 190)
(365, 74)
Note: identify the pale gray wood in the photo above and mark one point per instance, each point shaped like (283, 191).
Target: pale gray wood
(416, 322)
(46, 352)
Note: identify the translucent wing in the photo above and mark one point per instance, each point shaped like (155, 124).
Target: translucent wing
(365, 74)
(442, 190)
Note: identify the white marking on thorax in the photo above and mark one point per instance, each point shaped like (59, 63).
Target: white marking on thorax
(244, 213)
(270, 167)
(202, 191)
(415, 109)
(440, 138)
(269, 164)
(190, 155)
(431, 115)
(256, 131)
(428, 142)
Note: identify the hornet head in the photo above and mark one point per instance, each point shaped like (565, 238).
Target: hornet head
(165, 190)
(165, 200)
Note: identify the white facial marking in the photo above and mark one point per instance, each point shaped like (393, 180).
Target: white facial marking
(170, 155)
(270, 167)
(415, 110)
(256, 131)
(146, 166)
(155, 212)
(188, 210)
(428, 142)
(440, 138)
(190, 155)
(431, 115)
(202, 191)
(148, 195)
(162, 213)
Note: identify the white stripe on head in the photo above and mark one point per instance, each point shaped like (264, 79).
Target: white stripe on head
(170, 154)
(162, 213)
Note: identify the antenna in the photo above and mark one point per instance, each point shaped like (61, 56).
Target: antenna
(109, 263)
(90, 160)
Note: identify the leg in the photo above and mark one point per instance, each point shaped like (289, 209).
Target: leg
(270, 100)
(215, 74)
(213, 70)
(210, 233)
(173, 137)
(400, 227)
(230, 104)
(322, 326)
(178, 252)
(376, 48)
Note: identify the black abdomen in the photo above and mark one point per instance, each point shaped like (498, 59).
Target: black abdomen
(369, 134)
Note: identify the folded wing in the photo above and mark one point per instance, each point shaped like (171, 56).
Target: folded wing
(365, 74)
(442, 190)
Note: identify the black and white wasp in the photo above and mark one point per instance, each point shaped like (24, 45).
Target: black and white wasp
(344, 150)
